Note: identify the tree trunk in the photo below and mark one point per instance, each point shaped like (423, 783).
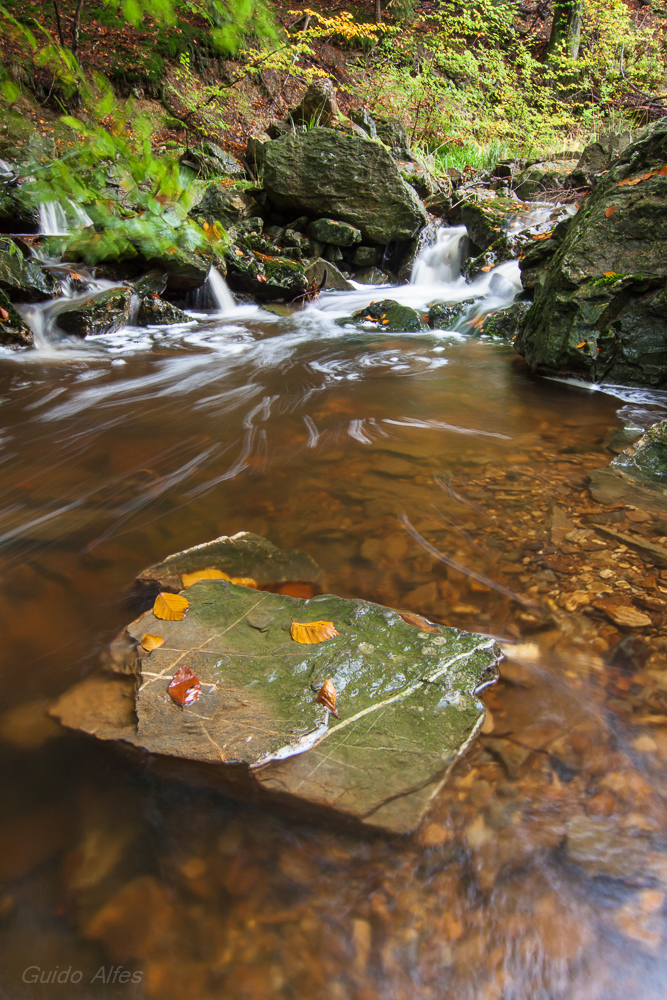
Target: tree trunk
(378, 11)
(76, 26)
(566, 28)
(56, 11)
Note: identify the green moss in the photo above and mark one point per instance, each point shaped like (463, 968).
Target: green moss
(607, 279)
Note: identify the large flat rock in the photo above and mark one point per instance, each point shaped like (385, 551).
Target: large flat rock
(407, 700)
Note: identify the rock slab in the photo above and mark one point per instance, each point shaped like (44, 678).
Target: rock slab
(407, 700)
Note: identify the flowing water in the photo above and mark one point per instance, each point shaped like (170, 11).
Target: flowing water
(540, 873)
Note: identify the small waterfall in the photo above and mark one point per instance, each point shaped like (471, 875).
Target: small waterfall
(53, 218)
(440, 263)
(219, 292)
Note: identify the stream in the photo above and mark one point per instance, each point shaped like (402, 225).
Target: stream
(541, 871)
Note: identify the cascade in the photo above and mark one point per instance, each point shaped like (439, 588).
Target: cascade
(53, 218)
(216, 289)
(440, 263)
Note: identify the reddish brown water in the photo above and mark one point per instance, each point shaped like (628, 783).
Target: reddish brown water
(541, 873)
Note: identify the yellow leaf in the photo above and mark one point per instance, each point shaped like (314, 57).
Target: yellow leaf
(582, 344)
(327, 696)
(609, 274)
(312, 632)
(170, 607)
(150, 642)
(189, 579)
(202, 574)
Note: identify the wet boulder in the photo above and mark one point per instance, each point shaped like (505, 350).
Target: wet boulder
(507, 246)
(254, 722)
(372, 276)
(21, 279)
(339, 234)
(487, 220)
(389, 316)
(505, 323)
(600, 301)
(14, 331)
(324, 275)
(547, 175)
(323, 173)
(185, 270)
(224, 206)
(154, 311)
(267, 273)
(210, 160)
(599, 155)
(445, 315)
(99, 314)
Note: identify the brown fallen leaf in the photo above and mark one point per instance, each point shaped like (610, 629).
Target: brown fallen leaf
(150, 642)
(184, 687)
(327, 696)
(421, 623)
(610, 211)
(170, 607)
(312, 632)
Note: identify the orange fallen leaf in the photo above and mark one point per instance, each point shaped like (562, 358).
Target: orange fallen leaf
(170, 607)
(609, 274)
(610, 211)
(312, 632)
(4, 314)
(582, 344)
(260, 277)
(421, 623)
(663, 170)
(327, 696)
(544, 236)
(184, 687)
(489, 267)
(202, 574)
(150, 642)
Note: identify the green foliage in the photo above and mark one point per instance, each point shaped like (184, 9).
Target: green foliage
(136, 201)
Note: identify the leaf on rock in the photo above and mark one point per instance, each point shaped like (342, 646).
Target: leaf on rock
(582, 344)
(189, 579)
(4, 314)
(412, 619)
(184, 687)
(202, 574)
(170, 607)
(312, 632)
(327, 696)
(150, 642)
(610, 211)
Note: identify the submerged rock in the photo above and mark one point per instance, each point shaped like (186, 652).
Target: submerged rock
(325, 173)
(600, 301)
(407, 701)
(105, 313)
(14, 331)
(638, 475)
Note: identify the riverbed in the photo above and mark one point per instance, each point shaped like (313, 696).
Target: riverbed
(541, 872)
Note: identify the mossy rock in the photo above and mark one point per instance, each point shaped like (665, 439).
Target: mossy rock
(265, 273)
(21, 279)
(14, 331)
(407, 700)
(646, 460)
(600, 298)
(504, 325)
(103, 313)
(445, 315)
(389, 316)
(339, 234)
(154, 311)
